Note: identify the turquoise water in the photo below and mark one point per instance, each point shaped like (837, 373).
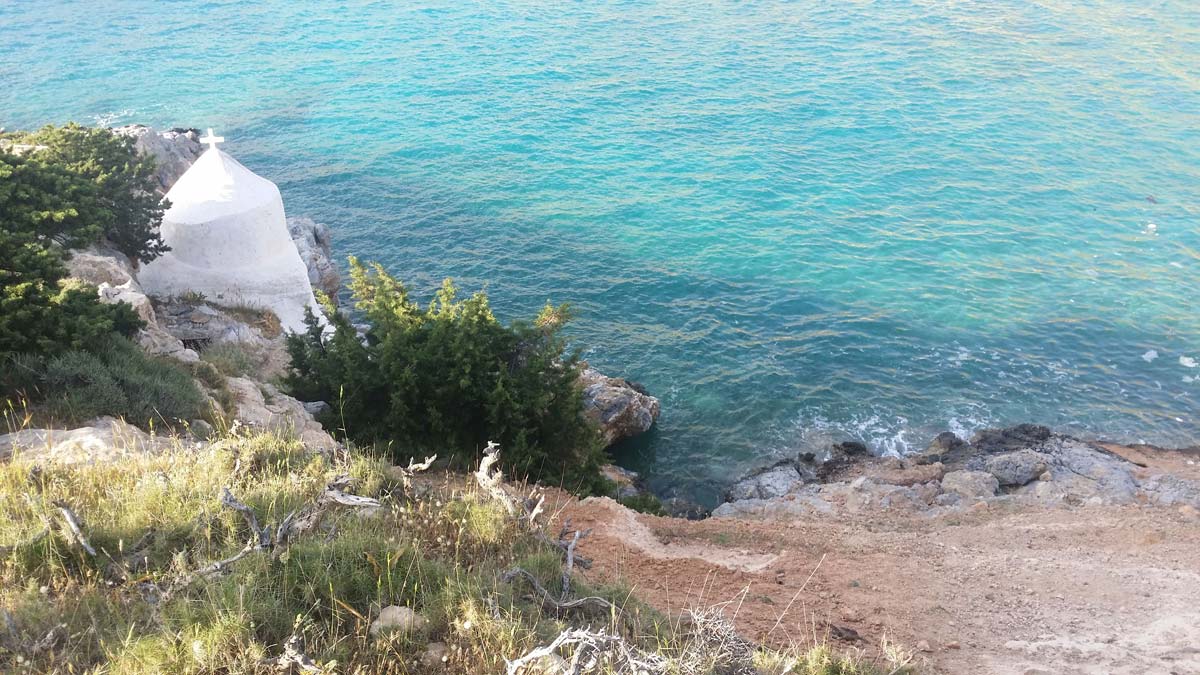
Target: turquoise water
(791, 221)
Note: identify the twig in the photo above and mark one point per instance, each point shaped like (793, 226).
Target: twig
(73, 523)
(548, 600)
(293, 655)
(569, 567)
(492, 480)
(596, 641)
(264, 537)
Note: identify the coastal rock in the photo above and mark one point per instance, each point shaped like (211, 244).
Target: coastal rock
(173, 150)
(628, 482)
(941, 448)
(771, 481)
(622, 409)
(1016, 468)
(314, 242)
(103, 440)
(264, 406)
(970, 484)
(911, 473)
(678, 507)
(1012, 438)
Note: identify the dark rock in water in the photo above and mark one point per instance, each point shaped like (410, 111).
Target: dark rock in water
(852, 448)
(942, 448)
(677, 507)
(1013, 438)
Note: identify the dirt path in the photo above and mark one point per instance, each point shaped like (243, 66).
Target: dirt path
(998, 588)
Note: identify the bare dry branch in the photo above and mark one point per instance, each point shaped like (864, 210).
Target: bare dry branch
(492, 481)
(293, 655)
(264, 536)
(73, 524)
(548, 600)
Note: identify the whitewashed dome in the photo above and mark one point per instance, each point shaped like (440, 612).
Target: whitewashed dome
(229, 241)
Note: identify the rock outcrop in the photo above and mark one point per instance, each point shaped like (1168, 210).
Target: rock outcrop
(622, 409)
(113, 275)
(315, 243)
(104, 439)
(1026, 464)
(264, 406)
(173, 150)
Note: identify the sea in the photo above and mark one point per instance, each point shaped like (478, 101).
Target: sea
(793, 222)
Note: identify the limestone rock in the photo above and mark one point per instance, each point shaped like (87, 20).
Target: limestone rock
(266, 407)
(908, 474)
(678, 507)
(771, 481)
(112, 273)
(173, 150)
(620, 408)
(628, 482)
(397, 619)
(314, 242)
(103, 440)
(971, 484)
(1016, 468)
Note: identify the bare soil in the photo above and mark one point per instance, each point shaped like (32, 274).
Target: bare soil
(1000, 587)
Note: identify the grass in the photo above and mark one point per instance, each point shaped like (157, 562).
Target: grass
(154, 520)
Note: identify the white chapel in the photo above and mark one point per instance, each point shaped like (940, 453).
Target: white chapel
(229, 241)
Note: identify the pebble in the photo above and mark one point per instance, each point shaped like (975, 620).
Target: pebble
(923, 646)
(394, 618)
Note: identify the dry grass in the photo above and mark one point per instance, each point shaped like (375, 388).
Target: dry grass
(137, 607)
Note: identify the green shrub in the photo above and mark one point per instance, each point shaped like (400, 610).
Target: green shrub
(449, 378)
(102, 187)
(114, 378)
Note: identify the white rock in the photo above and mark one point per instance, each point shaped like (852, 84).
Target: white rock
(104, 439)
(264, 406)
(620, 408)
(396, 619)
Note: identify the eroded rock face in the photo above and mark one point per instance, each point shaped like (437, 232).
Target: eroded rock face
(173, 150)
(103, 440)
(265, 407)
(315, 243)
(622, 409)
(1016, 468)
(112, 274)
(971, 484)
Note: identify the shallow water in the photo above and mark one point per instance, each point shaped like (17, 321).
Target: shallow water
(791, 221)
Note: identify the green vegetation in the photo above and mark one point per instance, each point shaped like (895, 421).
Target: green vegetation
(60, 348)
(115, 378)
(449, 378)
(143, 602)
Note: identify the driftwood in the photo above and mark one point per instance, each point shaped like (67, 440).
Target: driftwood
(73, 524)
(594, 649)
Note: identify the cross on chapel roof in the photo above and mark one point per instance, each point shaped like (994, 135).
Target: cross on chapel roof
(212, 140)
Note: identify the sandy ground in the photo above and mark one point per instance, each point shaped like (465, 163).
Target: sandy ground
(997, 588)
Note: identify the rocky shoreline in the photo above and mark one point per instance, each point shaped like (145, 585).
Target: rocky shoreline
(1025, 464)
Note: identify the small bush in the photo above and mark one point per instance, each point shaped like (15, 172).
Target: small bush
(447, 379)
(115, 378)
(231, 359)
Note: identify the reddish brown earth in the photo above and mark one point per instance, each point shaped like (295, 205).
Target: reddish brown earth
(997, 588)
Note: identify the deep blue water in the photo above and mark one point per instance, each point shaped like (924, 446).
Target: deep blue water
(791, 221)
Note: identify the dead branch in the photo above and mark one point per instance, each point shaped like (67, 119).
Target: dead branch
(548, 600)
(293, 655)
(492, 481)
(569, 567)
(73, 524)
(597, 641)
(264, 537)
(309, 517)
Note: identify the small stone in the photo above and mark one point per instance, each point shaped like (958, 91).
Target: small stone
(953, 645)
(1046, 477)
(1190, 512)
(201, 430)
(971, 484)
(435, 654)
(396, 619)
(923, 646)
